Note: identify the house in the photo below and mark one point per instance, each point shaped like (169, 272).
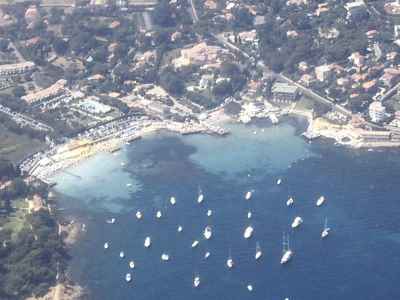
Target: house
(357, 59)
(284, 93)
(390, 76)
(355, 7)
(377, 112)
(392, 8)
(369, 86)
(56, 89)
(323, 72)
(303, 66)
(307, 79)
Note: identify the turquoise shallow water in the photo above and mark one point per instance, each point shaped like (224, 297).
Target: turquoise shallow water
(359, 260)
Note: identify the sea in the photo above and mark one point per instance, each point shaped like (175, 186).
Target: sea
(360, 259)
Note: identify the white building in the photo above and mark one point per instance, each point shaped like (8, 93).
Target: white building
(377, 112)
(323, 72)
(14, 69)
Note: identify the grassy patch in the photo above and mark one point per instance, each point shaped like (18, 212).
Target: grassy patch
(15, 147)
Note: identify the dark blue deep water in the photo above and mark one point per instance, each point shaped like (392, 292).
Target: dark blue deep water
(360, 259)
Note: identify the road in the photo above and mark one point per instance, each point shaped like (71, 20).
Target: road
(195, 17)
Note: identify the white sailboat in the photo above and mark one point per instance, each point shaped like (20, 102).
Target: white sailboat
(325, 231)
(180, 228)
(158, 214)
(147, 242)
(132, 264)
(258, 251)
(196, 281)
(297, 222)
(195, 243)
(172, 200)
(249, 215)
(207, 255)
(111, 221)
(248, 232)
(320, 201)
(164, 257)
(230, 263)
(139, 215)
(128, 277)
(106, 245)
(279, 181)
(248, 195)
(122, 254)
(209, 213)
(290, 201)
(287, 253)
(249, 287)
(200, 197)
(207, 232)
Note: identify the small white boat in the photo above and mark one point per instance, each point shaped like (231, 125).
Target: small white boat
(139, 215)
(164, 257)
(297, 222)
(287, 253)
(129, 184)
(249, 214)
(258, 251)
(320, 201)
(207, 255)
(209, 213)
(279, 181)
(200, 198)
(110, 221)
(122, 254)
(230, 263)
(248, 232)
(325, 231)
(248, 195)
(180, 228)
(249, 287)
(132, 264)
(128, 277)
(195, 243)
(147, 242)
(290, 201)
(196, 281)
(122, 164)
(106, 245)
(207, 232)
(254, 132)
(158, 214)
(172, 200)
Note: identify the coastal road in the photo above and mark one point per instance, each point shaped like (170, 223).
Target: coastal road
(195, 17)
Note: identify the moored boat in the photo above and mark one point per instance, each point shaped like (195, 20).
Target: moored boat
(287, 253)
(320, 201)
(207, 232)
(248, 195)
(248, 232)
(147, 242)
(326, 230)
(297, 222)
(258, 251)
(195, 243)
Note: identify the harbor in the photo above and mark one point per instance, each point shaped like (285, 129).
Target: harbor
(304, 178)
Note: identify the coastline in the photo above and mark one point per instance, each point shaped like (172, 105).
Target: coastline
(78, 149)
